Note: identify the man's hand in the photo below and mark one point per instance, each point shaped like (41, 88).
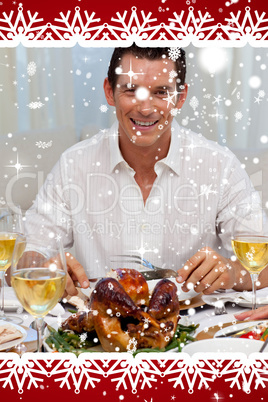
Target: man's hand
(207, 271)
(75, 273)
(258, 314)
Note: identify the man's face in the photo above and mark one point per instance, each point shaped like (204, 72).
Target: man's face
(145, 98)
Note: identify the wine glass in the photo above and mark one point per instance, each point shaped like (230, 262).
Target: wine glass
(11, 227)
(250, 241)
(38, 277)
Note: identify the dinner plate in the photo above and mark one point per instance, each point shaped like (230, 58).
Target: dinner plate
(11, 301)
(223, 345)
(11, 344)
(238, 327)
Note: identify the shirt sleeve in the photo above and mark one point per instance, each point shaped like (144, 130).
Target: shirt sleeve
(236, 188)
(50, 214)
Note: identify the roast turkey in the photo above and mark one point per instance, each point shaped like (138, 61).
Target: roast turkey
(124, 314)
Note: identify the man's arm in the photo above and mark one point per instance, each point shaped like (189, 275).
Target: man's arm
(258, 314)
(75, 273)
(207, 271)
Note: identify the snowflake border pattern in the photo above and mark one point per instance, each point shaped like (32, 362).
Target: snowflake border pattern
(124, 371)
(87, 29)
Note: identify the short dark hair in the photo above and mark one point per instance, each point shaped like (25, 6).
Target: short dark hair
(150, 53)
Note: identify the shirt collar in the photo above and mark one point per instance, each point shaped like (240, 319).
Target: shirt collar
(172, 159)
(115, 154)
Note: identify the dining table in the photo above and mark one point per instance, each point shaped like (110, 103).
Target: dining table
(198, 310)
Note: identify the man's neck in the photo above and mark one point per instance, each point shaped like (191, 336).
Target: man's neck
(143, 159)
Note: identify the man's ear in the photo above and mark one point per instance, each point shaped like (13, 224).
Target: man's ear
(182, 96)
(108, 92)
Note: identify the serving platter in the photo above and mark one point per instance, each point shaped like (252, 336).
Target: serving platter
(185, 325)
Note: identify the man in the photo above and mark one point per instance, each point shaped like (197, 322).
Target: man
(146, 185)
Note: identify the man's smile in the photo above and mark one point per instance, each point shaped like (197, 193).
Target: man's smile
(144, 123)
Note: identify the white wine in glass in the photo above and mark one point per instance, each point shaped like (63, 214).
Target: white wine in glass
(250, 242)
(11, 227)
(38, 277)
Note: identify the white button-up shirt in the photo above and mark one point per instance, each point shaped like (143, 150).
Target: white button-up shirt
(91, 199)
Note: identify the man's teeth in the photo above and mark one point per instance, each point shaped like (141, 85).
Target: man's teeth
(144, 123)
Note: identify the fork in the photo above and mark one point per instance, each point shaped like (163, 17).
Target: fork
(136, 259)
(219, 308)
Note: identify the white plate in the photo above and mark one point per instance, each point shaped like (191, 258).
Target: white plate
(181, 294)
(223, 345)
(238, 327)
(11, 344)
(11, 301)
(12, 305)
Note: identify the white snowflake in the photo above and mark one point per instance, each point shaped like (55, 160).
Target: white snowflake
(170, 97)
(206, 190)
(180, 372)
(35, 105)
(194, 102)
(132, 345)
(132, 27)
(261, 93)
(180, 27)
(58, 238)
(174, 53)
(43, 144)
(31, 372)
(135, 372)
(24, 26)
(238, 116)
(245, 373)
(247, 25)
(83, 336)
(174, 111)
(250, 254)
(172, 74)
(103, 108)
(31, 68)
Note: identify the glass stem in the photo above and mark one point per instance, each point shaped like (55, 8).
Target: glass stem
(2, 296)
(39, 326)
(254, 278)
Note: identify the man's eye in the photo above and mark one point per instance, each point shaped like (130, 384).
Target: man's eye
(162, 93)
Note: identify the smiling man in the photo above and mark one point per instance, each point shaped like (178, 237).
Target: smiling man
(144, 92)
(146, 185)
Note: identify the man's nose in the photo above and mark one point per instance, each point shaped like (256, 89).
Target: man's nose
(146, 106)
